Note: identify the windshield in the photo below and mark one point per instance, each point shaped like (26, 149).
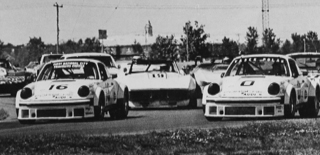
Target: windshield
(259, 66)
(310, 63)
(49, 58)
(69, 70)
(107, 60)
(161, 67)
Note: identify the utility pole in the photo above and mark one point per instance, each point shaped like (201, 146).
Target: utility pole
(265, 14)
(187, 27)
(57, 6)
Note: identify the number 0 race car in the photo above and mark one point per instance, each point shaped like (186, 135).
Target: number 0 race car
(72, 89)
(159, 84)
(261, 86)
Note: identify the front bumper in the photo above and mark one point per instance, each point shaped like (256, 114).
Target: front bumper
(55, 110)
(163, 98)
(233, 108)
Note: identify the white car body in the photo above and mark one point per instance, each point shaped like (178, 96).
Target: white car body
(150, 87)
(56, 93)
(258, 91)
(107, 59)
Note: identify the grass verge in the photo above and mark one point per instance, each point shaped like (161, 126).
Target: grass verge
(285, 137)
(3, 114)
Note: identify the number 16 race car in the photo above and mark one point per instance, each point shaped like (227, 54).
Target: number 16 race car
(72, 89)
(263, 85)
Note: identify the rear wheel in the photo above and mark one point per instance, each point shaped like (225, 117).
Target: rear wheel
(99, 109)
(121, 109)
(193, 99)
(290, 109)
(310, 109)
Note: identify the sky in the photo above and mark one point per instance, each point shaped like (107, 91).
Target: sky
(125, 20)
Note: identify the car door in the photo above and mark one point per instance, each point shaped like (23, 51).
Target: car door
(299, 82)
(108, 85)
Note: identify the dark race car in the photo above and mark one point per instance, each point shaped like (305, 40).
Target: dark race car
(11, 78)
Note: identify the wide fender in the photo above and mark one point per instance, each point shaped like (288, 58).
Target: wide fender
(289, 89)
(312, 88)
(96, 95)
(17, 100)
(204, 95)
(121, 89)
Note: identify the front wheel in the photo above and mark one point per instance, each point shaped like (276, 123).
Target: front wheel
(99, 110)
(290, 109)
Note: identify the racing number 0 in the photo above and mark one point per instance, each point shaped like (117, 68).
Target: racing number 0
(59, 87)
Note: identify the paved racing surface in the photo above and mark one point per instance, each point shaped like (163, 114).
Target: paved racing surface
(138, 121)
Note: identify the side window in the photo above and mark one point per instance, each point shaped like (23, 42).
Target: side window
(294, 68)
(103, 71)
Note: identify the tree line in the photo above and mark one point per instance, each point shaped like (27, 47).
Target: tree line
(192, 43)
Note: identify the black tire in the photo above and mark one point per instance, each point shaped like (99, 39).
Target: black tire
(210, 119)
(121, 109)
(193, 103)
(27, 121)
(100, 109)
(290, 109)
(310, 109)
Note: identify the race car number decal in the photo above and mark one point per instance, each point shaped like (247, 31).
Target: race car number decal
(247, 83)
(59, 87)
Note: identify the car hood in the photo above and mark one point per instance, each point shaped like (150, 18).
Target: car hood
(158, 80)
(59, 89)
(249, 86)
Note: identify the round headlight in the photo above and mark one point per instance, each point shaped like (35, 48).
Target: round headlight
(213, 89)
(274, 89)
(83, 91)
(26, 93)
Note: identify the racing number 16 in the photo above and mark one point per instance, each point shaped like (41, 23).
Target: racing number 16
(59, 87)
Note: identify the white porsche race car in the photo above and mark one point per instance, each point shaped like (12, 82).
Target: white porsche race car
(72, 89)
(263, 85)
(159, 84)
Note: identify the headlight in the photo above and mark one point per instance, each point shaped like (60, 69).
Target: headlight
(26, 93)
(213, 89)
(274, 89)
(83, 91)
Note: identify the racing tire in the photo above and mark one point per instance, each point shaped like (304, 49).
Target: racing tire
(290, 109)
(27, 121)
(193, 103)
(121, 109)
(210, 119)
(310, 109)
(99, 110)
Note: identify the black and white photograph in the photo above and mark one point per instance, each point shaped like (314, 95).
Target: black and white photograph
(176, 77)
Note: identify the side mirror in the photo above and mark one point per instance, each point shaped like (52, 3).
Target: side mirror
(304, 73)
(222, 75)
(113, 76)
(295, 75)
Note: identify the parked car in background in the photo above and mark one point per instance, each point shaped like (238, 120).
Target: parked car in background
(159, 84)
(308, 62)
(266, 85)
(34, 66)
(72, 89)
(207, 73)
(107, 59)
(11, 78)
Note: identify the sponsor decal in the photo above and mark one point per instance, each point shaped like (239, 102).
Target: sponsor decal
(70, 64)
